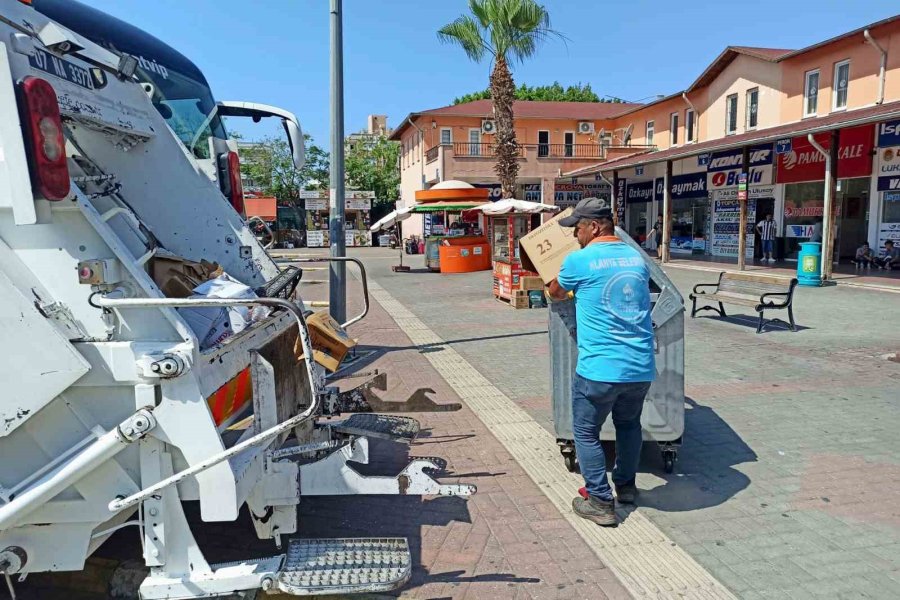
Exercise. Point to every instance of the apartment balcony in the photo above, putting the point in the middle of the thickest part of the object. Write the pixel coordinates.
(471, 160)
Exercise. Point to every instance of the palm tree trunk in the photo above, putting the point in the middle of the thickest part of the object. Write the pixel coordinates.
(503, 91)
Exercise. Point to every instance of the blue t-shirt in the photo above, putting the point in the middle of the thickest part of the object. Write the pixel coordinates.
(612, 301)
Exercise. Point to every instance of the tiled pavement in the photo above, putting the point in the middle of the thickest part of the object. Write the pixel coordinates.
(788, 484)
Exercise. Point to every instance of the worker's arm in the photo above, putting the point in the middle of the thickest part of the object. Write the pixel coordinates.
(556, 291)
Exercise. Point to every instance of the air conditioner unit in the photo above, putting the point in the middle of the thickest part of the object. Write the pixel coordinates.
(606, 138)
(488, 127)
(585, 127)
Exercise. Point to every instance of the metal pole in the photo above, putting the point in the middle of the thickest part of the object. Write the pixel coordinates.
(337, 286)
(830, 157)
(742, 227)
(667, 214)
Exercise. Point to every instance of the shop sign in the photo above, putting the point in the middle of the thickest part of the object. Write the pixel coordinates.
(889, 133)
(727, 160)
(692, 185)
(355, 194)
(889, 170)
(805, 163)
(569, 194)
(726, 223)
(311, 193)
(532, 191)
(316, 239)
(753, 193)
(798, 231)
(358, 204)
(316, 203)
(620, 200)
(889, 231)
(639, 191)
(659, 188)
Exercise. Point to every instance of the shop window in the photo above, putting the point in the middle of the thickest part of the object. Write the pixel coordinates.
(673, 128)
(752, 108)
(811, 94)
(689, 126)
(650, 127)
(731, 114)
(841, 84)
(446, 136)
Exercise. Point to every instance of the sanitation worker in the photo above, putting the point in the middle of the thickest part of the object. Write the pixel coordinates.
(610, 281)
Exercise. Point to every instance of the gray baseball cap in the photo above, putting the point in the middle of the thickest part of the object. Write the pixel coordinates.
(588, 208)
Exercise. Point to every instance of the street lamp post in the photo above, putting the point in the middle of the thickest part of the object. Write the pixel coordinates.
(337, 283)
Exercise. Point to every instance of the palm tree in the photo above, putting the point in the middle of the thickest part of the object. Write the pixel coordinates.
(502, 30)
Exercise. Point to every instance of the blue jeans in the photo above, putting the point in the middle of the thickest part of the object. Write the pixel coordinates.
(592, 401)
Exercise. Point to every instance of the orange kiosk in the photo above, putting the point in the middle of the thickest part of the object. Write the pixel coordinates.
(454, 253)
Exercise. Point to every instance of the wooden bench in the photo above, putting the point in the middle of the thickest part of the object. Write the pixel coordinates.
(762, 292)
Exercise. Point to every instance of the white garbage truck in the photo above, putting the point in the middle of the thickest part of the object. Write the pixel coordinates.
(119, 190)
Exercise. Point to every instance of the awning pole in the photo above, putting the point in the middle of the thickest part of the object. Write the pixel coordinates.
(742, 227)
(827, 210)
(667, 213)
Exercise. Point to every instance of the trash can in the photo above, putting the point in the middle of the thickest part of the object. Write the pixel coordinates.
(809, 268)
(662, 419)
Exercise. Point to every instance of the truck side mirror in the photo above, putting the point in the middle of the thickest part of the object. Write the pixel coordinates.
(258, 112)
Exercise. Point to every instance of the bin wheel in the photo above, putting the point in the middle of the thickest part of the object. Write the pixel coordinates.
(669, 461)
(569, 459)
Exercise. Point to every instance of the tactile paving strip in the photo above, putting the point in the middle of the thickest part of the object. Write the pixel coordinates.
(387, 427)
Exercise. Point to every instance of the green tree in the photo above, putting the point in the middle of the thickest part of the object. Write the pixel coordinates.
(545, 93)
(502, 30)
(371, 163)
(269, 165)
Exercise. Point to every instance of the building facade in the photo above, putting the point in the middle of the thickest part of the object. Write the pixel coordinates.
(457, 143)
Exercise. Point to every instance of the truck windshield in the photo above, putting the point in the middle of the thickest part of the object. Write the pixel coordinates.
(189, 109)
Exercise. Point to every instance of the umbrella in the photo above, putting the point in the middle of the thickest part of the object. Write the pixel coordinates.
(511, 205)
(392, 218)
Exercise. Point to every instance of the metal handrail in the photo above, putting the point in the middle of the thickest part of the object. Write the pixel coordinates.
(362, 272)
(119, 303)
(268, 229)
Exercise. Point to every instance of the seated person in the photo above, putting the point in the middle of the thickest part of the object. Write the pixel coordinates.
(864, 256)
(891, 257)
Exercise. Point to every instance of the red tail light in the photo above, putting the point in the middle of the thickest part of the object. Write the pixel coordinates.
(44, 135)
(230, 179)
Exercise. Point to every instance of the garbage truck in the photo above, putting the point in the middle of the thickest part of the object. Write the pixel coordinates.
(154, 353)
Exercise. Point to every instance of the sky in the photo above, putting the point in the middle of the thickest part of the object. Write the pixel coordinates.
(277, 51)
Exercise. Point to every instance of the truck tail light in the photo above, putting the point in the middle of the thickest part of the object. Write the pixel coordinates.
(45, 140)
(230, 178)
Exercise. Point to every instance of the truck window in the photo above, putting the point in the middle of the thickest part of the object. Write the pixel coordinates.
(189, 109)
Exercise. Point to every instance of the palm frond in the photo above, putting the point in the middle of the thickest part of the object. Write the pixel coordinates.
(465, 32)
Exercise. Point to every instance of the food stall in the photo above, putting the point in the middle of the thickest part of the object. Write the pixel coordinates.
(357, 206)
(508, 221)
(462, 248)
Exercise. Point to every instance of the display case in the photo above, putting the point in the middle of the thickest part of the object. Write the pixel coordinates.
(505, 232)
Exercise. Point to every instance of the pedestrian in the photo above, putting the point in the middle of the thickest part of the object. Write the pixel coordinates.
(657, 233)
(891, 258)
(611, 285)
(816, 232)
(766, 230)
(863, 256)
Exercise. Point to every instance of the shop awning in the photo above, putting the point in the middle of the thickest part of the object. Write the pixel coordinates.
(840, 120)
(447, 205)
(511, 205)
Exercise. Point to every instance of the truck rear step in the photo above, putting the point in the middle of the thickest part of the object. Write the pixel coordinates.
(344, 566)
(403, 429)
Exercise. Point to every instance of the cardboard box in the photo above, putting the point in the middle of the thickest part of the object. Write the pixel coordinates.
(544, 249)
(330, 343)
(519, 299)
(531, 282)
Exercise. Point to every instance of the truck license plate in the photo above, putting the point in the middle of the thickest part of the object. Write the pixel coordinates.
(61, 68)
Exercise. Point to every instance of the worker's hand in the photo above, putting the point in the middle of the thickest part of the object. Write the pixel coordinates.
(556, 291)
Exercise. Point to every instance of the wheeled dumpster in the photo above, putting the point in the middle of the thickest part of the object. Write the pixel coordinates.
(663, 416)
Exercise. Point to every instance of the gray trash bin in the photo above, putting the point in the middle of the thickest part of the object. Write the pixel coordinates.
(663, 416)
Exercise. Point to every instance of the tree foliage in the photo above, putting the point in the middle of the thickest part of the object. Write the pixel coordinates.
(371, 163)
(544, 93)
(269, 166)
(503, 31)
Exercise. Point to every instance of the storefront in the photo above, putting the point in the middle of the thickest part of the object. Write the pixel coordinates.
(639, 196)
(885, 219)
(357, 207)
(802, 171)
(723, 173)
(690, 214)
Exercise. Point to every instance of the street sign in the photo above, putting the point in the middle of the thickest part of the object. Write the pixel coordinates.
(703, 159)
(783, 146)
(639, 170)
(742, 194)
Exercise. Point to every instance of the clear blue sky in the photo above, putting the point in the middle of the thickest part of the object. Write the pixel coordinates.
(276, 52)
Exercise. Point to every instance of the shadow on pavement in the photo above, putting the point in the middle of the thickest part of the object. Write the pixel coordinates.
(750, 322)
(704, 474)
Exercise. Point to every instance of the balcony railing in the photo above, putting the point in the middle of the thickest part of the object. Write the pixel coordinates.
(431, 154)
(552, 151)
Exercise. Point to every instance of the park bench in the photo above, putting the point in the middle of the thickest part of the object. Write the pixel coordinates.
(762, 292)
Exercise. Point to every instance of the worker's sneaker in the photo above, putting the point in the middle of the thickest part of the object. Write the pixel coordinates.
(626, 493)
(601, 512)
